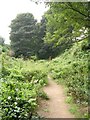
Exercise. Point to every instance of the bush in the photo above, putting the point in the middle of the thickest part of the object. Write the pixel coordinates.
(71, 69)
(37, 76)
(19, 88)
(18, 100)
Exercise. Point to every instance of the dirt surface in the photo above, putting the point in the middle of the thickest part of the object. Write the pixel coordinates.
(55, 107)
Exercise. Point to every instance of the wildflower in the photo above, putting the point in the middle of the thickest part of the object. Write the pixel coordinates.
(9, 97)
(15, 103)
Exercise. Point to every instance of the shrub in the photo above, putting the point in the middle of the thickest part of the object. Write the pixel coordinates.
(18, 100)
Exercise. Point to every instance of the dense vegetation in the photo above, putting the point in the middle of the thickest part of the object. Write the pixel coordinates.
(21, 82)
(62, 34)
(71, 69)
(27, 35)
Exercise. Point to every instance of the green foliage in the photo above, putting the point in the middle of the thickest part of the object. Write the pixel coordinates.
(22, 81)
(23, 34)
(33, 58)
(2, 40)
(71, 69)
(18, 100)
(36, 75)
(20, 86)
(27, 35)
(3, 47)
(67, 22)
(46, 51)
(74, 109)
(43, 95)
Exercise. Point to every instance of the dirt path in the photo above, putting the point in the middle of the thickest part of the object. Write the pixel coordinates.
(56, 106)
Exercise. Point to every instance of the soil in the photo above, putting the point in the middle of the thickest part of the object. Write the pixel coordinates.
(55, 107)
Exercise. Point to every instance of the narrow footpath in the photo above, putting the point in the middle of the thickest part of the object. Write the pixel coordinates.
(55, 107)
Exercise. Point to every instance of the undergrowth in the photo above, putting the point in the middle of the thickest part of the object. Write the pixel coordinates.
(71, 69)
(22, 82)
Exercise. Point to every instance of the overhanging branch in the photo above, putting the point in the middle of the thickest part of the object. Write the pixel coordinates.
(70, 5)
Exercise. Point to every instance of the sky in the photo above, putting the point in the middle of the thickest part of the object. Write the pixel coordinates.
(9, 10)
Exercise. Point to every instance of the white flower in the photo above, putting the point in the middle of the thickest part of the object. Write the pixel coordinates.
(9, 97)
(15, 103)
(17, 98)
(16, 89)
(35, 81)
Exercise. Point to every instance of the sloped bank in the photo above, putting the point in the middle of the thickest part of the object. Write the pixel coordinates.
(71, 69)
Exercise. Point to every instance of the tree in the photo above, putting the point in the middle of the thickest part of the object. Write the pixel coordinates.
(2, 40)
(41, 35)
(23, 35)
(45, 50)
(67, 21)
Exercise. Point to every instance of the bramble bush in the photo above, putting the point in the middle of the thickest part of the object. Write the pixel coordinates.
(71, 69)
(18, 100)
(19, 89)
(21, 81)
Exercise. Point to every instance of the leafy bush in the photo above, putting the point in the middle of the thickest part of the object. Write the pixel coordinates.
(20, 88)
(43, 95)
(71, 69)
(18, 100)
(34, 58)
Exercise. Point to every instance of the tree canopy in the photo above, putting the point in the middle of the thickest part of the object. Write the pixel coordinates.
(62, 25)
(67, 21)
(23, 34)
(2, 40)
